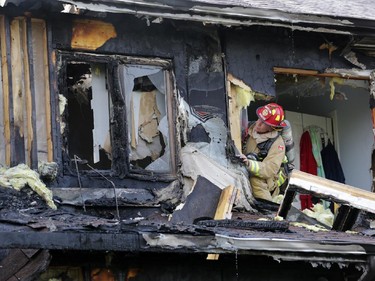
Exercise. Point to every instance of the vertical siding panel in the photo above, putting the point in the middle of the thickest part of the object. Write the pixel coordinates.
(31, 61)
(48, 96)
(5, 138)
(18, 95)
(42, 90)
(28, 121)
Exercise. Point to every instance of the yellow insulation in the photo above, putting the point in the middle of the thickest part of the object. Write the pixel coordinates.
(321, 214)
(332, 85)
(243, 96)
(21, 175)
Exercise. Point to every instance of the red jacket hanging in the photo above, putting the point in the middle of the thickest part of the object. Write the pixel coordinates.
(307, 164)
(307, 160)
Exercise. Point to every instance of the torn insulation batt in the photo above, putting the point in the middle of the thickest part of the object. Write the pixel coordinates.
(21, 175)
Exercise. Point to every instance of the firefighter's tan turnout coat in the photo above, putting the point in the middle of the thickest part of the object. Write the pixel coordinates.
(265, 175)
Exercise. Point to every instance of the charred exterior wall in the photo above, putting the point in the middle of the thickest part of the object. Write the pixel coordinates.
(200, 56)
(194, 49)
(252, 53)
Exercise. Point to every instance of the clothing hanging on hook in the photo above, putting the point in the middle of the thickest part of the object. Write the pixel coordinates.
(317, 146)
(331, 163)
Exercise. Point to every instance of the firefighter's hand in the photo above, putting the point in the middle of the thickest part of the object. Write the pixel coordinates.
(244, 159)
(252, 156)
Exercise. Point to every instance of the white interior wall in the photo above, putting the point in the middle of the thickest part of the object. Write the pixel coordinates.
(353, 129)
(300, 123)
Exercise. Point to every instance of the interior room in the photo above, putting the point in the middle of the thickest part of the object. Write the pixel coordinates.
(340, 108)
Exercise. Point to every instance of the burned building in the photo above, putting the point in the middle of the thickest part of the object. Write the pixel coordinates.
(126, 108)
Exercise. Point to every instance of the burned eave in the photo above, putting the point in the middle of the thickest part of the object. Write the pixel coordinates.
(230, 14)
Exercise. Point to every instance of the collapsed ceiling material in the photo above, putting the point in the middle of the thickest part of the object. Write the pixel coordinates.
(304, 86)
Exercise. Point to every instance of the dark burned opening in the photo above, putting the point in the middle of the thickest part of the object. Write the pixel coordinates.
(82, 142)
(118, 117)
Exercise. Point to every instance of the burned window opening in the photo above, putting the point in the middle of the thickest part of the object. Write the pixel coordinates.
(81, 138)
(148, 129)
(118, 116)
(147, 113)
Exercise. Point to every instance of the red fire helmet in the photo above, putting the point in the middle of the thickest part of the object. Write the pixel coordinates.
(272, 114)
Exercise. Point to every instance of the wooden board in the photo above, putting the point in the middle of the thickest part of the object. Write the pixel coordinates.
(5, 84)
(23, 264)
(326, 189)
(91, 34)
(224, 209)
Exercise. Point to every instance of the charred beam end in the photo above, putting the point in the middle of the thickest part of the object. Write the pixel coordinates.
(345, 218)
(247, 224)
(71, 241)
(285, 206)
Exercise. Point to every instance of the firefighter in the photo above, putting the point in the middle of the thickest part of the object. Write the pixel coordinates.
(264, 152)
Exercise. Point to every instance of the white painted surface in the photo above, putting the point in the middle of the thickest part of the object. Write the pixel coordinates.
(301, 122)
(100, 106)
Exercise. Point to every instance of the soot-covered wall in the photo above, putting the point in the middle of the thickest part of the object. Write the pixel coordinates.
(251, 53)
(193, 48)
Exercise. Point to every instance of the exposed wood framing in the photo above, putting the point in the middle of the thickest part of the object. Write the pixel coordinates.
(33, 128)
(171, 112)
(18, 95)
(5, 85)
(234, 113)
(46, 89)
(346, 195)
(305, 72)
(91, 34)
(41, 87)
(28, 96)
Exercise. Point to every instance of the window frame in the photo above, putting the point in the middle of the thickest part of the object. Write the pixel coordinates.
(119, 128)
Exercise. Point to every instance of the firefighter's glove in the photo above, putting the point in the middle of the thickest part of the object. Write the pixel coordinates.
(252, 156)
(253, 167)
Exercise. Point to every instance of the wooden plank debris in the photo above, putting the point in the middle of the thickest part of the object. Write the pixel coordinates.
(307, 72)
(351, 198)
(224, 209)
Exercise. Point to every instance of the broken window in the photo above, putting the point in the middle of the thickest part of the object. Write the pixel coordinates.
(118, 116)
(148, 130)
(88, 115)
